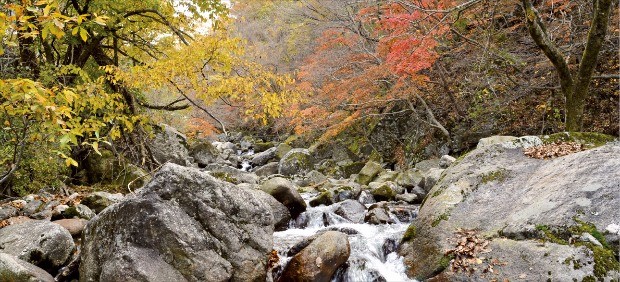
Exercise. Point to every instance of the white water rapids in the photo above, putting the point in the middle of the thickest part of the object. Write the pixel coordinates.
(373, 247)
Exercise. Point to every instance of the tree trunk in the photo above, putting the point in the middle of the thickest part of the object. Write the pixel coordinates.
(574, 87)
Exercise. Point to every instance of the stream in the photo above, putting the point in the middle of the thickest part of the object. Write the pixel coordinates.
(373, 256)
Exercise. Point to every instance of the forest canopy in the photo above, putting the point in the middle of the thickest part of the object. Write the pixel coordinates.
(411, 78)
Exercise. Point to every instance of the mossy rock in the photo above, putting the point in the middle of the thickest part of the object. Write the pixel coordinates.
(351, 168)
(588, 139)
(325, 198)
(383, 193)
(262, 146)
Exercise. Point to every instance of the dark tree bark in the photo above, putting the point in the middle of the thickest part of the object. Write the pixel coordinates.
(573, 86)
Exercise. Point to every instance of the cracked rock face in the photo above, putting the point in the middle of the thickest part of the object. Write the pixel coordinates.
(516, 202)
(183, 226)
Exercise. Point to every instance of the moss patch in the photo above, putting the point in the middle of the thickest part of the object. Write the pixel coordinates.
(410, 233)
(443, 216)
(604, 257)
(225, 177)
(498, 175)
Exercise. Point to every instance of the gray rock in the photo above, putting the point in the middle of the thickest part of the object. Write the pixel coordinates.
(268, 169)
(315, 177)
(351, 210)
(264, 157)
(281, 215)
(97, 201)
(368, 173)
(378, 213)
(231, 174)
(79, 211)
(445, 161)
(58, 211)
(41, 243)
(426, 165)
(183, 226)
(286, 193)
(32, 207)
(498, 190)
(494, 140)
(325, 198)
(296, 161)
(203, 152)
(14, 269)
(409, 198)
(169, 145)
(7, 212)
(410, 178)
(320, 259)
(431, 177)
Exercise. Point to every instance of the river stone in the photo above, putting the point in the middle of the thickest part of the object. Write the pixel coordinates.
(410, 178)
(14, 269)
(446, 160)
(169, 145)
(498, 190)
(263, 157)
(32, 207)
(383, 191)
(203, 152)
(351, 210)
(185, 225)
(378, 213)
(79, 211)
(324, 198)
(97, 201)
(370, 170)
(319, 260)
(494, 140)
(296, 161)
(73, 225)
(39, 242)
(286, 193)
(268, 169)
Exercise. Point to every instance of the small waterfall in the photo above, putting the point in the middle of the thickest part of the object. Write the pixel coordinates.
(373, 247)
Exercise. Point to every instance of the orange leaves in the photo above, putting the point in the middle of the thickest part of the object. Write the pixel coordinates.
(553, 150)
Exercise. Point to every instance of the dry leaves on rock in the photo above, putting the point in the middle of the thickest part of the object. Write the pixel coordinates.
(553, 150)
(273, 259)
(469, 245)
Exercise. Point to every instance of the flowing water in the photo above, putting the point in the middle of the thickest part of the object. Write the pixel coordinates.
(373, 247)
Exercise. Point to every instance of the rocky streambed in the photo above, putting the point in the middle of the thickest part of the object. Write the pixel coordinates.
(249, 211)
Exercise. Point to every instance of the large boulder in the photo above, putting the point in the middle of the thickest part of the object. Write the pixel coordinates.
(38, 242)
(184, 225)
(296, 161)
(112, 169)
(545, 209)
(14, 269)
(169, 145)
(319, 260)
(286, 193)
